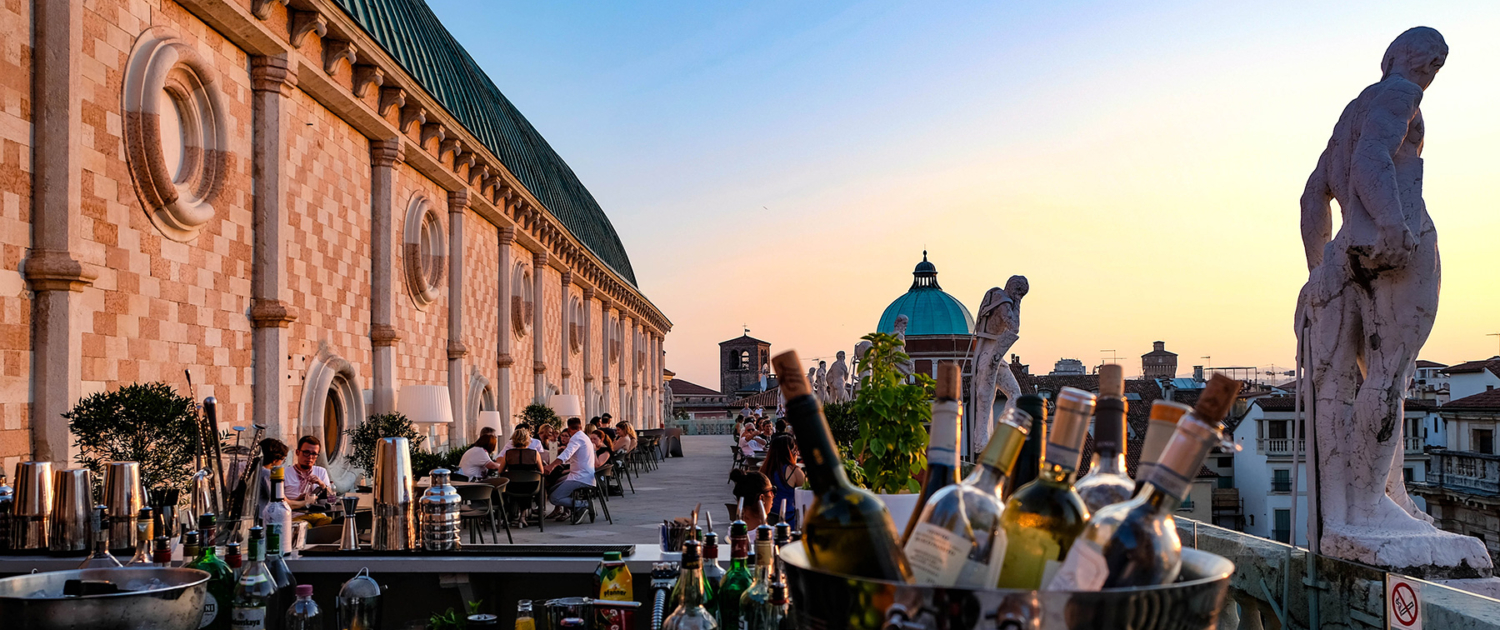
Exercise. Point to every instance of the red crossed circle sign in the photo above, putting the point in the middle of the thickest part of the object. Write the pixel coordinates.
(1404, 604)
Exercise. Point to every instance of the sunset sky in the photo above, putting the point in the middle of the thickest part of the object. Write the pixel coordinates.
(782, 165)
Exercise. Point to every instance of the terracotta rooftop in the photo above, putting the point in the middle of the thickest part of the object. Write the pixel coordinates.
(685, 388)
(1483, 400)
(1469, 367)
(765, 399)
(1429, 364)
(1287, 404)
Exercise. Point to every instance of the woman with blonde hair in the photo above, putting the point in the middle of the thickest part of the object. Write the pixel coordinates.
(627, 438)
(523, 452)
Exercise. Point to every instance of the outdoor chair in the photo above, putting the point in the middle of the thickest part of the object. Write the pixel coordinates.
(608, 477)
(589, 493)
(623, 459)
(478, 506)
(499, 484)
(524, 492)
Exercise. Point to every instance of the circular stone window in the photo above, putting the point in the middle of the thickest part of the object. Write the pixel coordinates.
(175, 133)
(425, 250)
(521, 300)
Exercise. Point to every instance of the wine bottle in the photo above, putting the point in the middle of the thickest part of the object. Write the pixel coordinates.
(958, 541)
(690, 615)
(286, 583)
(781, 607)
(1029, 462)
(1135, 543)
(713, 574)
(255, 589)
(142, 540)
(736, 579)
(1043, 517)
(276, 511)
(847, 530)
(1164, 416)
(1107, 481)
(942, 440)
(217, 601)
(755, 603)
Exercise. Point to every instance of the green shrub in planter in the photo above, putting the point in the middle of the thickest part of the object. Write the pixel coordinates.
(147, 423)
(892, 414)
(537, 414)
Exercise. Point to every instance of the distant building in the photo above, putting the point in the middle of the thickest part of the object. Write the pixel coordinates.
(1472, 377)
(1462, 485)
(698, 402)
(1429, 383)
(744, 366)
(1068, 367)
(1159, 363)
(939, 327)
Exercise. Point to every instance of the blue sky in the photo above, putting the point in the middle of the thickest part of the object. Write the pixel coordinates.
(782, 164)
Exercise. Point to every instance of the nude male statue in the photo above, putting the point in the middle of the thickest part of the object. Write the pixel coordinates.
(820, 382)
(838, 380)
(1366, 310)
(908, 367)
(995, 330)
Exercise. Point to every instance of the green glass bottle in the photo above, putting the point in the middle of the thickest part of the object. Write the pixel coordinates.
(220, 577)
(755, 603)
(848, 530)
(1043, 517)
(1030, 459)
(713, 574)
(737, 579)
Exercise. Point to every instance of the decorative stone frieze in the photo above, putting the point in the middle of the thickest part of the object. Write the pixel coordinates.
(430, 131)
(175, 133)
(457, 349)
(261, 9)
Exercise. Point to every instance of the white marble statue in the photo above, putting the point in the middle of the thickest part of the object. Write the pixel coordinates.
(1366, 310)
(765, 374)
(859, 365)
(667, 404)
(820, 382)
(995, 331)
(907, 367)
(838, 380)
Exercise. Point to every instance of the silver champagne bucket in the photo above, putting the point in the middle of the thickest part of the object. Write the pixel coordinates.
(31, 514)
(124, 497)
(395, 521)
(165, 599)
(440, 519)
(72, 511)
(828, 600)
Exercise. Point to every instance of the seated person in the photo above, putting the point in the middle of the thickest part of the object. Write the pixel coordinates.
(603, 449)
(307, 484)
(578, 456)
(749, 445)
(523, 452)
(627, 440)
(607, 427)
(754, 489)
(272, 454)
(476, 462)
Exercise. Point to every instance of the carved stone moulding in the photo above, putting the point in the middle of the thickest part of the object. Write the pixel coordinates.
(176, 134)
(424, 249)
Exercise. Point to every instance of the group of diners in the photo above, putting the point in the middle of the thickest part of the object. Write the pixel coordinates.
(771, 472)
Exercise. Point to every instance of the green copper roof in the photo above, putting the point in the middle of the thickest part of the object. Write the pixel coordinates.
(415, 38)
(928, 309)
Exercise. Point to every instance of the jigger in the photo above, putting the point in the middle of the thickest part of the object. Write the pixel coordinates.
(31, 514)
(350, 539)
(72, 509)
(124, 498)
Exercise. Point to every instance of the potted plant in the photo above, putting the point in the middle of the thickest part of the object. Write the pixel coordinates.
(362, 440)
(146, 423)
(891, 412)
(537, 414)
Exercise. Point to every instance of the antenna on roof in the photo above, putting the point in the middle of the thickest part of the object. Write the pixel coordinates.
(1497, 335)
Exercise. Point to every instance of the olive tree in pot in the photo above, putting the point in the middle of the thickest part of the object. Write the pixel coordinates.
(362, 440)
(537, 414)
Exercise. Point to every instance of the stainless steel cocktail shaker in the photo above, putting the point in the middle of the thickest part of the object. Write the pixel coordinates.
(31, 514)
(72, 509)
(439, 513)
(395, 519)
(124, 498)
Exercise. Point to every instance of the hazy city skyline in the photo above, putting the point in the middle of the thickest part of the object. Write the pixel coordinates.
(783, 165)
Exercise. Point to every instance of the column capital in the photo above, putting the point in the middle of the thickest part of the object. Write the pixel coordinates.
(507, 234)
(540, 259)
(505, 360)
(383, 335)
(270, 314)
(53, 270)
(457, 349)
(272, 74)
(458, 201)
(567, 278)
(588, 293)
(539, 367)
(388, 152)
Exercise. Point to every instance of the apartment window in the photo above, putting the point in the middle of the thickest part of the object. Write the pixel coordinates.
(1281, 480)
(1484, 441)
(1407, 474)
(1226, 461)
(1283, 530)
(1276, 430)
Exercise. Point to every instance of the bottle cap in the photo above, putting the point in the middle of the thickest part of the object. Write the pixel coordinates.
(1070, 428)
(611, 556)
(304, 590)
(949, 381)
(144, 514)
(1168, 411)
(190, 537)
(206, 521)
(1111, 380)
(764, 533)
(278, 473)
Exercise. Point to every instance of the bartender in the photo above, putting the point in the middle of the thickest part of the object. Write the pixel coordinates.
(307, 484)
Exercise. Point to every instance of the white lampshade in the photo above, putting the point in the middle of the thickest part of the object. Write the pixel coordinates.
(493, 420)
(426, 404)
(566, 406)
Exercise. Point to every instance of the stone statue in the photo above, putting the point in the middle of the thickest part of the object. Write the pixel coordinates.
(838, 380)
(1368, 305)
(907, 367)
(667, 404)
(765, 374)
(995, 331)
(820, 385)
(859, 363)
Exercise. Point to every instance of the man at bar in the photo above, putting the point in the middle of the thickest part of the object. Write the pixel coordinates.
(579, 458)
(306, 482)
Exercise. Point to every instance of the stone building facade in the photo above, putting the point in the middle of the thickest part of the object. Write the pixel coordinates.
(305, 204)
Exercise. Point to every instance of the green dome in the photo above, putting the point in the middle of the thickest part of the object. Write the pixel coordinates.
(928, 309)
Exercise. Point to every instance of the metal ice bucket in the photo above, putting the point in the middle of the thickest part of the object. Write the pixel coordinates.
(31, 514)
(36, 601)
(832, 601)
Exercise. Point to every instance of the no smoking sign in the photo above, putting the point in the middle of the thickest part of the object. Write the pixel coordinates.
(1403, 603)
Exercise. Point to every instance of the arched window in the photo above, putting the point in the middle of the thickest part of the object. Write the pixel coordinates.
(332, 402)
(744, 363)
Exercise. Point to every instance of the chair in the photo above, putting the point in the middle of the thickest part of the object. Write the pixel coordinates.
(624, 467)
(608, 478)
(477, 507)
(499, 484)
(324, 535)
(525, 489)
(589, 493)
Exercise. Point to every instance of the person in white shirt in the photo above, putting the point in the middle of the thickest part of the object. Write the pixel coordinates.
(306, 482)
(750, 446)
(579, 457)
(476, 461)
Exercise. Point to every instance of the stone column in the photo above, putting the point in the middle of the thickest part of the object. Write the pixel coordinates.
(539, 327)
(504, 359)
(622, 385)
(384, 156)
(56, 277)
(271, 83)
(604, 378)
(567, 325)
(589, 405)
(458, 206)
(637, 396)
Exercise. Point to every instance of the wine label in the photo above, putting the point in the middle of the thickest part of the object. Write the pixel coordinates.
(1084, 569)
(210, 610)
(936, 555)
(253, 618)
(982, 568)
